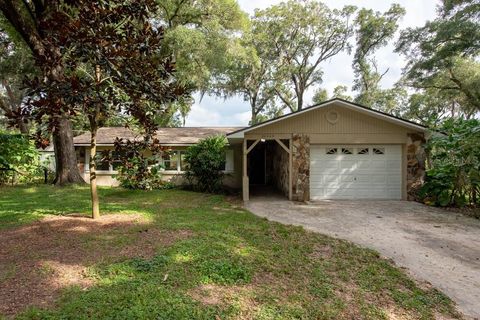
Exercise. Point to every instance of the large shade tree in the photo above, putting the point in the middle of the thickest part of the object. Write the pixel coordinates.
(16, 62)
(443, 56)
(249, 74)
(24, 19)
(198, 34)
(112, 62)
(302, 35)
(373, 30)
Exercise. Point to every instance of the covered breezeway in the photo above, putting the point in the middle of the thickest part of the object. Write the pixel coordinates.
(267, 167)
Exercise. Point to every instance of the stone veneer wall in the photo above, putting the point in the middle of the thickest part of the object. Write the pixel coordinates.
(416, 158)
(279, 175)
(301, 167)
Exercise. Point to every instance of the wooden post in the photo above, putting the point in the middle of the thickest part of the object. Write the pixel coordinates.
(245, 181)
(290, 169)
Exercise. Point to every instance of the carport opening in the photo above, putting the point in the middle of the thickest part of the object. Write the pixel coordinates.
(267, 167)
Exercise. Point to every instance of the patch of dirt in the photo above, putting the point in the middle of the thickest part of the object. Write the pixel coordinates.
(321, 252)
(211, 294)
(39, 260)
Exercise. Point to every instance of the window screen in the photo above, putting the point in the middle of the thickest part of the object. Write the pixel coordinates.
(101, 162)
(170, 160)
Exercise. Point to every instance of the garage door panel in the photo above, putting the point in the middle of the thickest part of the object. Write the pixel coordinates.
(378, 164)
(378, 178)
(339, 193)
(330, 164)
(363, 178)
(347, 178)
(393, 179)
(362, 164)
(348, 164)
(363, 174)
(394, 165)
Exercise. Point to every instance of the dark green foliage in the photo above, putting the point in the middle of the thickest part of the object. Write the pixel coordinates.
(454, 175)
(139, 168)
(18, 158)
(137, 174)
(442, 55)
(206, 162)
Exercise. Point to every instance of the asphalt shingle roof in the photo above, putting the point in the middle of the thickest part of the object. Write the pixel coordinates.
(172, 136)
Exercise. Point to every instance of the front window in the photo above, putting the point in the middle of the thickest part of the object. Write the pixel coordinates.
(101, 161)
(183, 161)
(170, 160)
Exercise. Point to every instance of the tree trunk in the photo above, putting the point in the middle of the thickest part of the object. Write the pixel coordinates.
(93, 174)
(23, 127)
(65, 158)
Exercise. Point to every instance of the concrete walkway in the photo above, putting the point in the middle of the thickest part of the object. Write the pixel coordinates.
(439, 247)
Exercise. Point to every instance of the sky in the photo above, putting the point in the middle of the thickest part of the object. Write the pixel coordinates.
(211, 111)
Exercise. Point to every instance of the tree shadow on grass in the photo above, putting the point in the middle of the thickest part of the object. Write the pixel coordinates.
(41, 259)
(182, 246)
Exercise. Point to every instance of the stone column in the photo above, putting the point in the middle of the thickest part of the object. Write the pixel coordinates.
(301, 167)
(416, 158)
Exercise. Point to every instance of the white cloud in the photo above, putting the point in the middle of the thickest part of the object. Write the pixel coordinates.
(337, 71)
(200, 116)
(212, 111)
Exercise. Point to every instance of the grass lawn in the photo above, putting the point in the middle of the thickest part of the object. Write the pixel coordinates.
(181, 255)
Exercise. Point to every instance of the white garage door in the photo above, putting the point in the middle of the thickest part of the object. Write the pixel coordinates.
(355, 172)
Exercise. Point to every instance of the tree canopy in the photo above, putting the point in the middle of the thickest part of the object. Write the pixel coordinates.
(443, 55)
(373, 30)
(301, 36)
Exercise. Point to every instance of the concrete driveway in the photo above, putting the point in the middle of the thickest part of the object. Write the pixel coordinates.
(439, 247)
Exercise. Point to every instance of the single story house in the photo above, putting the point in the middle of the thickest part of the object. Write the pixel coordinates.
(333, 150)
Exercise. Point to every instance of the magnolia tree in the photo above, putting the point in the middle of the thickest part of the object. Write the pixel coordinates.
(112, 62)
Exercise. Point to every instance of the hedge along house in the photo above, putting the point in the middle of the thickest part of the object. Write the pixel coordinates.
(334, 150)
(176, 139)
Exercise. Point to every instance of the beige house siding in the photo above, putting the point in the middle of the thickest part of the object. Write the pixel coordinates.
(351, 126)
(337, 124)
(106, 178)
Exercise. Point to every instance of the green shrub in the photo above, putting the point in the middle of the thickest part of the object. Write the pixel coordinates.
(206, 162)
(453, 177)
(19, 159)
(139, 167)
(137, 174)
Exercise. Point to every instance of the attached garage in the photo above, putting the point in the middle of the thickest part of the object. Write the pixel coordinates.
(355, 172)
(337, 150)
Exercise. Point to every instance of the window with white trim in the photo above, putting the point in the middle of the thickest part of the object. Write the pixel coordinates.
(183, 161)
(106, 163)
(102, 164)
(175, 161)
(378, 150)
(171, 160)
